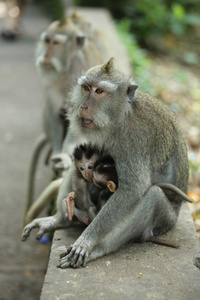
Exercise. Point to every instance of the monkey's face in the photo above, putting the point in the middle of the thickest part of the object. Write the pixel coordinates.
(51, 51)
(100, 104)
(85, 166)
(94, 109)
(101, 180)
(102, 98)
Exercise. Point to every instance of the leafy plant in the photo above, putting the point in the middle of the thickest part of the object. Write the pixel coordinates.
(138, 58)
(53, 8)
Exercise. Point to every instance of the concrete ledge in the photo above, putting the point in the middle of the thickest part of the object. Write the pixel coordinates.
(136, 271)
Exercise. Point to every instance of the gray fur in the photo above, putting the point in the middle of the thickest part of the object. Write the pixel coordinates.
(147, 145)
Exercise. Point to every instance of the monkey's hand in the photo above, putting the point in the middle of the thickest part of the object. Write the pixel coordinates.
(76, 256)
(70, 205)
(61, 161)
(46, 224)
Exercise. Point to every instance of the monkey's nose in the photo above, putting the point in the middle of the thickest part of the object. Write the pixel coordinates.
(84, 107)
(47, 58)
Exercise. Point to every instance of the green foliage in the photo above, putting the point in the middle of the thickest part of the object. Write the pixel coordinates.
(138, 58)
(194, 166)
(155, 17)
(53, 8)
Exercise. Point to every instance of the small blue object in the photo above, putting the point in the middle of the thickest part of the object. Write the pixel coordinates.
(45, 239)
(175, 107)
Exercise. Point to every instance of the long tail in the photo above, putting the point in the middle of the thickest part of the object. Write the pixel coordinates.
(38, 146)
(45, 197)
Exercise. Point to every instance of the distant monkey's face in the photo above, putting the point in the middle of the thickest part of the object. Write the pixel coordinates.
(58, 45)
(52, 49)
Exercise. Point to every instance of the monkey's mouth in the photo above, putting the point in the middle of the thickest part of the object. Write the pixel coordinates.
(86, 122)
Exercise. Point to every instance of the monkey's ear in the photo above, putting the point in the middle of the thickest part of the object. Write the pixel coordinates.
(80, 40)
(112, 186)
(74, 16)
(131, 91)
(108, 66)
(63, 22)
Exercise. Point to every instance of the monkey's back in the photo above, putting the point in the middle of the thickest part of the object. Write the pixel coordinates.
(162, 136)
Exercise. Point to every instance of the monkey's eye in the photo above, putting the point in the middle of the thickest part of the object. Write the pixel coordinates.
(99, 91)
(82, 168)
(55, 42)
(47, 40)
(90, 167)
(86, 88)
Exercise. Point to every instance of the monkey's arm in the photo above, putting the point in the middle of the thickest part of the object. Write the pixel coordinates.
(82, 216)
(60, 219)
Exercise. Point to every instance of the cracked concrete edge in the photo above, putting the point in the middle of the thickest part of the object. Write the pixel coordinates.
(135, 271)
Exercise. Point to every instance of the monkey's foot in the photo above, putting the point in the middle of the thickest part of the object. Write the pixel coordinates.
(75, 256)
(70, 205)
(46, 224)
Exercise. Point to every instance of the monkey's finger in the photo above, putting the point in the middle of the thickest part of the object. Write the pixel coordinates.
(85, 259)
(66, 252)
(69, 254)
(80, 260)
(63, 265)
(76, 256)
(25, 234)
(40, 233)
(27, 230)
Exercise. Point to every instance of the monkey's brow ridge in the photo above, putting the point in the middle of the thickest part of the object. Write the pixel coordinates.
(84, 80)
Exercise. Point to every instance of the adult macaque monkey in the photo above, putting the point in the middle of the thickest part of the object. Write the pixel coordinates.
(63, 52)
(144, 139)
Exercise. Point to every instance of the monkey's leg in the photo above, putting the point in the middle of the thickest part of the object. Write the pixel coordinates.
(44, 225)
(39, 144)
(82, 216)
(92, 212)
(142, 218)
(70, 205)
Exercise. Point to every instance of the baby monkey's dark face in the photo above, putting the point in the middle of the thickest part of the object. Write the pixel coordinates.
(102, 181)
(85, 166)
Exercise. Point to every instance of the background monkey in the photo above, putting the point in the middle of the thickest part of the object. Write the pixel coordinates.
(63, 52)
(145, 141)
